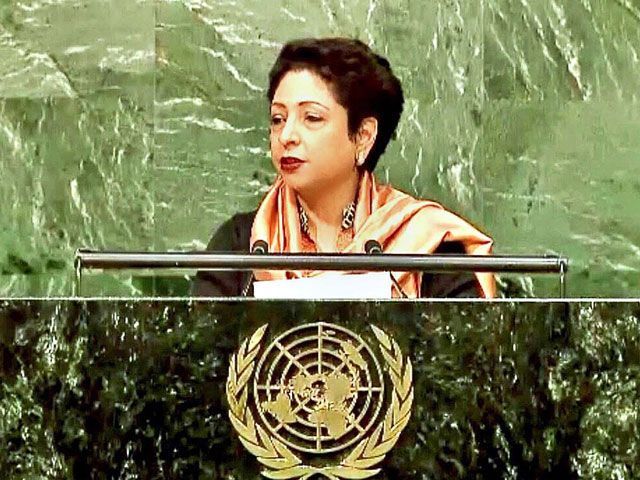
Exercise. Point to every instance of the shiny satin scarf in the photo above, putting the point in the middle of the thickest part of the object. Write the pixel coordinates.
(399, 222)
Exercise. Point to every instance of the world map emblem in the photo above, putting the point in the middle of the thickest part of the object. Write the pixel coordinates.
(317, 401)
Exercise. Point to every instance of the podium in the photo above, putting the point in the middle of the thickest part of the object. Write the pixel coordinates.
(140, 389)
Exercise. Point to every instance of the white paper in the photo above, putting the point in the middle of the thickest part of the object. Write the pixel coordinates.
(329, 285)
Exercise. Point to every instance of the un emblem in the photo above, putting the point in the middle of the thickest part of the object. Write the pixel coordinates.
(314, 402)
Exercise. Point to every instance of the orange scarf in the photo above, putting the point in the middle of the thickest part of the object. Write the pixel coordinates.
(399, 222)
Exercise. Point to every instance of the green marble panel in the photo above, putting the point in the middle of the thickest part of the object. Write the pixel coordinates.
(536, 156)
(76, 173)
(80, 47)
(520, 115)
(561, 50)
(115, 389)
(76, 169)
(210, 126)
(435, 151)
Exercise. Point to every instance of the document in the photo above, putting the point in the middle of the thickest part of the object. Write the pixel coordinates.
(373, 285)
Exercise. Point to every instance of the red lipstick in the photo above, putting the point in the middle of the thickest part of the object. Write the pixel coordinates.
(290, 164)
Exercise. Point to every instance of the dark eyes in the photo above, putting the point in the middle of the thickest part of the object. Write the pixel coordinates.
(309, 117)
(313, 118)
(277, 120)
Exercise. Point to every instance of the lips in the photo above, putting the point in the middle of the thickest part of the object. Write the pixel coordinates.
(290, 164)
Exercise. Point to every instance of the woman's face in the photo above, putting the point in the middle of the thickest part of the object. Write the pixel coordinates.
(310, 145)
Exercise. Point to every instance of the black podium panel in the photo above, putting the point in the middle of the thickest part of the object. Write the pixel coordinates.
(122, 389)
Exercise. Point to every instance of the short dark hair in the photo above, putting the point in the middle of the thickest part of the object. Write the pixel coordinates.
(361, 81)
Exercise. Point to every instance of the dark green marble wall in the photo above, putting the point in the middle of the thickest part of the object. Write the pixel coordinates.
(142, 124)
(105, 389)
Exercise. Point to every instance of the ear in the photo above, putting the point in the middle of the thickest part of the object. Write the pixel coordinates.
(367, 134)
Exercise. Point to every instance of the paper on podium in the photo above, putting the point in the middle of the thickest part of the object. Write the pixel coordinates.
(330, 285)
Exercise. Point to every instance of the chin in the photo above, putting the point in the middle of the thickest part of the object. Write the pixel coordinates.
(299, 183)
(293, 181)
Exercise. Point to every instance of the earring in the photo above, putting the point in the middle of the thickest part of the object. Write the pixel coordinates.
(360, 158)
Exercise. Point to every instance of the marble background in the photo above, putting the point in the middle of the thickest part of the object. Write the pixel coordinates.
(142, 124)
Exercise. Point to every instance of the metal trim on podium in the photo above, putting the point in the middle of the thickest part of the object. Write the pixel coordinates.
(440, 263)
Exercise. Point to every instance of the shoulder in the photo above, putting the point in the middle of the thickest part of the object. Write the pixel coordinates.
(233, 234)
(449, 285)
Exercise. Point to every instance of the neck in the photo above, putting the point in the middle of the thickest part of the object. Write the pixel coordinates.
(325, 208)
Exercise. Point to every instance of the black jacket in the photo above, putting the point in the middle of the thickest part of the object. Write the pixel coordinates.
(234, 236)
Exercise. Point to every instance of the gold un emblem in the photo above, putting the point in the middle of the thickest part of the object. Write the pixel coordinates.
(314, 402)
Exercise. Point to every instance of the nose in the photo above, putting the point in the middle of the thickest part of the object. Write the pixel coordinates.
(289, 133)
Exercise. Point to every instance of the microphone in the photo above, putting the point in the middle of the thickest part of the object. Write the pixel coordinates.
(373, 247)
(259, 247)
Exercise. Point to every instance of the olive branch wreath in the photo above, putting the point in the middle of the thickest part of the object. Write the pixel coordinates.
(281, 462)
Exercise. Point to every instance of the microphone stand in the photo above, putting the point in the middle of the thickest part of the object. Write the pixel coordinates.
(373, 247)
(259, 247)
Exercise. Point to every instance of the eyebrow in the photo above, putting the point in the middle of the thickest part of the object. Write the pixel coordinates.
(302, 103)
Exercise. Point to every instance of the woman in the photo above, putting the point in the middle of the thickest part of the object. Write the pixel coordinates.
(334, 107)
